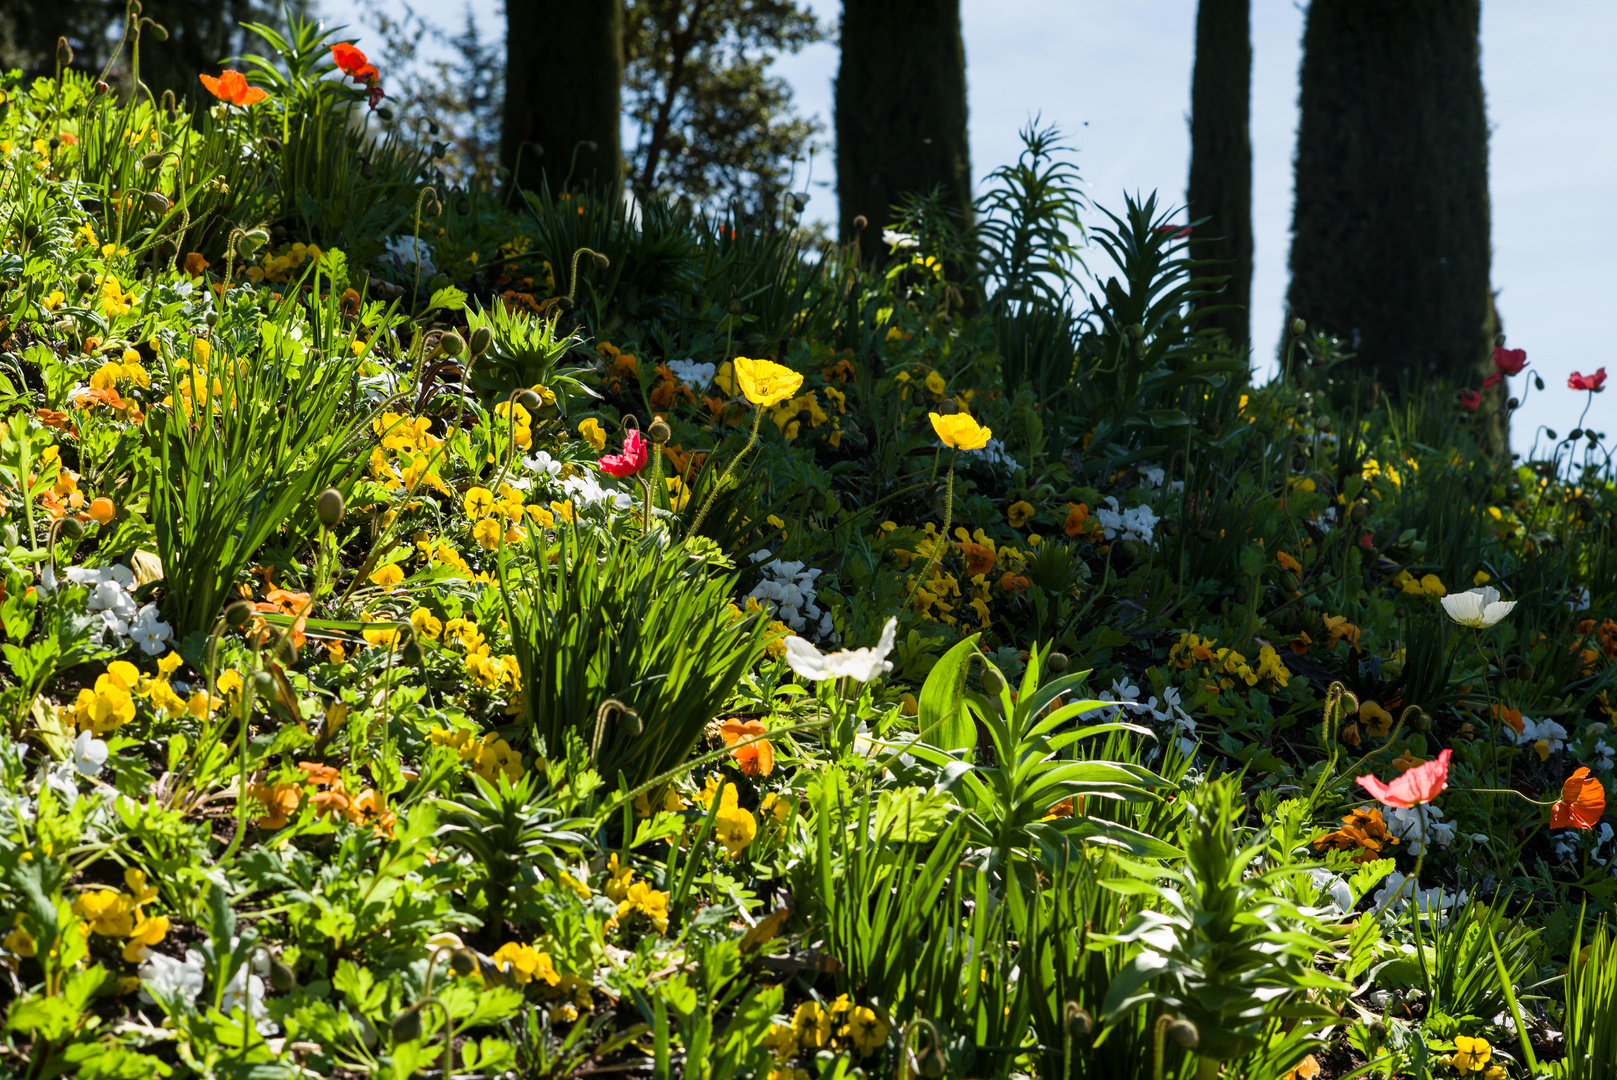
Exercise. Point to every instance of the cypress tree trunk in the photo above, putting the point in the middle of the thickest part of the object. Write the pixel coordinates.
(1390, 235)
(1221, 155)
(900, 111)
(563, 92)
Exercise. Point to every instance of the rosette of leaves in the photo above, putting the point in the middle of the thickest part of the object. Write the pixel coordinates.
(1222, 946)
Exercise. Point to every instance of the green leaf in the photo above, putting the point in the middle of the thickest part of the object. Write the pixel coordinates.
(942, 703)
(449, 298)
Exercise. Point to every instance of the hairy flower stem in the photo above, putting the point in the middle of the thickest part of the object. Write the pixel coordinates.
(752, 438)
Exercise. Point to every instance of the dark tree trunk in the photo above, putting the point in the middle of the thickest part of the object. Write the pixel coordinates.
(563, 92)
(1390, 235)
(1221, 155)
(900, 111)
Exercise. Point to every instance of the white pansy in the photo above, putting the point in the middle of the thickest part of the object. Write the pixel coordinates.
(89, 754)
(1477, 608)
(1406, 825)
(692, 374)
(171, 977)
(1434, 901)
(1135, 523)
(1552, 734)
(787, 589)
(860, 664)
(410, 253)
(1341, 897)
(150, 632)
(990, 453)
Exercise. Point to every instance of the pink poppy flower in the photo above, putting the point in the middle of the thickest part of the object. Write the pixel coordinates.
(1592, 383)
(1419, 785)
(631, 461)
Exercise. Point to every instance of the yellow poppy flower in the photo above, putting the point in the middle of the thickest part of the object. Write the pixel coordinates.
(959, 431)
(764, 382)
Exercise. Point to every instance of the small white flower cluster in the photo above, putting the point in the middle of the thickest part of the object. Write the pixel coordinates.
(694, 375)
(111, 589)
(408, 251)
(993, 453)
(1434, 901)
(1153, 475)
(1567, 844)
(789, 587)
(1406, 825)
(187, 978)
(1546, 731)
(1169, 711)
(1135, 523)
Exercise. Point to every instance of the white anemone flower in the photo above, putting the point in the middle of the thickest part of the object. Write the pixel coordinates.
(861, 664)
(1477, 608)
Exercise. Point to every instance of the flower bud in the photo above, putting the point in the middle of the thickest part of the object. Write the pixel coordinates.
(565, 303)
(601, 261)
(1421, 722)
(463, 206)
(947, 407)
(84, 281)
(529, 400)
(55, 143)
(482, 338)
(156, 202)
(733, 307)
(72, 528)
(252, 240)
(30, 232)
(211, 318)
(386, 114)
(413, 655)
(1538, 383)
(463, 962)
(993, 681)
(1129, 550)
(1289, 582)
(238, 613)
(860, 222)
(1057, 662)
(329, 506)
(631, 723)
(1299, 327)
(1184, 1034)
(264, 683)
(101, 87)
(64, 52)
(282, 977)
(153, 159)
(1135, 331)
(1551, 433)
(406, 1026)
(1358, 513)
(158, 31)
(452, 344)
(1513, 403)
(1576, 434)
(658, 432)
(1079, 1023)
(931, 1063)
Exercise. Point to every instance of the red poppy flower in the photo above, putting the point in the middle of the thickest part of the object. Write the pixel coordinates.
(631, 461)
(1175, 232)
(1469, 400)
(354, 64)
(1509, 361)
(231, 86)
(1583, 801)
(1492, 380)
(1592, 383)
(1419, 785)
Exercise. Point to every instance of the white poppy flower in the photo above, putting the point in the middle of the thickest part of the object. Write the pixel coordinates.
(861, 664)
(899, 241)
(89, 754)
(1477, 608)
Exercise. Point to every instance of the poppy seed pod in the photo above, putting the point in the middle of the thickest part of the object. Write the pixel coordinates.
(463, 962)
(406, 1026)
(71, 528)
(1184, 1034)
(658, 432)
(156, 202)
(530, 400)
(1299, 327)
(237, 614)
(452, 344)
(282, 977)
(1057, 662)
(482, 338)
(329, 506)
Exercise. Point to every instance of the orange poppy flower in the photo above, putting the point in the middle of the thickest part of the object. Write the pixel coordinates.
(1583, 801)
(231, 87)
(754, 759)
(354, 64)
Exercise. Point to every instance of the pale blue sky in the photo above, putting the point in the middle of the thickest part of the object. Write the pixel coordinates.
(1116, 78)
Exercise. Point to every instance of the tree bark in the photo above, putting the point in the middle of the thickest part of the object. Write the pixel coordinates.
(900, 112)
(1220, 189)
(563, 93)
(1390, 234)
